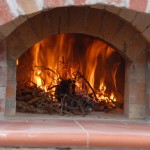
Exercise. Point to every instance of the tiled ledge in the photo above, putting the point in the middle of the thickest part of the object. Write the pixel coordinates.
(74, 134)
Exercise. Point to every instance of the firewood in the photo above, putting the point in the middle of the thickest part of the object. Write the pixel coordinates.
(64, 99)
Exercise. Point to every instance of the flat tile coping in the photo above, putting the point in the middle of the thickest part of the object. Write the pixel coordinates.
(74, 134)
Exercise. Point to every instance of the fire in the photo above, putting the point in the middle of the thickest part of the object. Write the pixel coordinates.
(17, 62)
(62, 56)
(37, 79)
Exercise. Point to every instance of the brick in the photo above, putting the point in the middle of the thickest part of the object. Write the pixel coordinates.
(11, 62)
(127, 71)
(7, 29)
(142, 21)
(30, 6)
(49, 27)
(127, 14)
(10, 108)
(2, 53)
(54, 3)
(110, 26)
(1, 115)
(19, 20)
(148, 99)
(2, 92)
(135, 73)
(3, 76)
(20, 40)
(94, 21)
(146, 34)
(138, 5)
(25, 33)
(148, 78)
(126, 108)
(137, 93)
(11, 90)
(126, 99)
(77, 19)
(137, 49)
(79, 2)
(112, 9)
(33, 14)
(59, 17)
(97, 6)
(148, 102)
(136, 111)
(123, 37)
(2, 105)
(5, 13)
(11, 73)
(58, 20)
(15, 46)
(148, 105)
(148, 58)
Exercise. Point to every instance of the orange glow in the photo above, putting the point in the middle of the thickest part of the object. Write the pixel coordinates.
(17, 62)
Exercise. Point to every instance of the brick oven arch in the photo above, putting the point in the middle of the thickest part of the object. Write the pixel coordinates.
(107, 26)
(95, 22)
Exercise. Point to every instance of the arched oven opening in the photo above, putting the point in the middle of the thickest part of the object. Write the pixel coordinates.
(70, 74)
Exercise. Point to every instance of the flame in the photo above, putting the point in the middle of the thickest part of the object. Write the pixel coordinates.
(17, 62)
(38, 80)
(45, 89)
(92, 56)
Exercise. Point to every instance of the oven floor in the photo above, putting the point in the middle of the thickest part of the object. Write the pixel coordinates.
(91, 116)
(65, 132)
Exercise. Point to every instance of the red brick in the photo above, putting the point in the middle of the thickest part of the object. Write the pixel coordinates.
(54, 3)
(117, 2)
(79, 2)
(139, 5)
(5, 13)
(28, 7)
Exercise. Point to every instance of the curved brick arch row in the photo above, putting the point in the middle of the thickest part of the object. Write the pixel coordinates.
(98, 23)
(11, 9)
(91, 21)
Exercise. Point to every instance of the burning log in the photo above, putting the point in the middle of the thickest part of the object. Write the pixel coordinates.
(65, 87)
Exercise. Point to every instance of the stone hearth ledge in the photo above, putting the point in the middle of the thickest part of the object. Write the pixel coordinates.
(74, 134)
